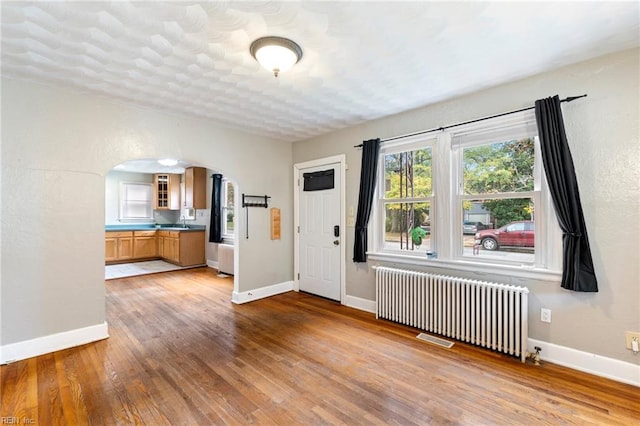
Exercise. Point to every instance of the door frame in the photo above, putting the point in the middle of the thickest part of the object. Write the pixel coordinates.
(341, 159)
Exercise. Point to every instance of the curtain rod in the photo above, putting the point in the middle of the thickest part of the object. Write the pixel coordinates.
(567, 99)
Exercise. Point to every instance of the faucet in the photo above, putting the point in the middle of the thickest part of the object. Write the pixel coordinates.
(184, 221)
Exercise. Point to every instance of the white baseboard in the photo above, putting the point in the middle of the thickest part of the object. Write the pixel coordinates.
(598, 365)
(610, 368)
(53, 342)
(212, 264)
(261, 293)
(359, 303)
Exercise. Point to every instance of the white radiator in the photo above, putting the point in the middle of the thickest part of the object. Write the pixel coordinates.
(225, 259)
(486, 314)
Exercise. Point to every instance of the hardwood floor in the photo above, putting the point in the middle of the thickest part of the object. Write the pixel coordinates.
(180, 353)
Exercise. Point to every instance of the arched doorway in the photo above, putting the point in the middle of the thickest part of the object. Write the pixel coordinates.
(158, 218)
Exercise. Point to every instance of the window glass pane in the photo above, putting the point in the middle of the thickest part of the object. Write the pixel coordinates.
(499, 167)
(134, 192)
(229, 224)
(408, 174)
(230, 195)
(136, 201)
(136, 210)
(499, 229)
(229, 221)
(407, 227)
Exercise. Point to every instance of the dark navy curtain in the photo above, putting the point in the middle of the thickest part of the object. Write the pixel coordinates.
(215, 226)
(577, 273)
(368, 173)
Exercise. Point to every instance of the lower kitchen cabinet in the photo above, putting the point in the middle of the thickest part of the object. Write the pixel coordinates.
(118, 246)
(169, 245)
(144, 244)
(191, 248)
(184, 248)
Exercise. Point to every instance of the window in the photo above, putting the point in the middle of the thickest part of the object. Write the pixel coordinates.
(228, 199)
(136, 201)
(407, 200)
(472, 197)
(498, 179)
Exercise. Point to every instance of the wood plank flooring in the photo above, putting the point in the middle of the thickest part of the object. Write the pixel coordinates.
(180, 353)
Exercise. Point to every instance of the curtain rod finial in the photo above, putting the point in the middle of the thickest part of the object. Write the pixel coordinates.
(573, 98)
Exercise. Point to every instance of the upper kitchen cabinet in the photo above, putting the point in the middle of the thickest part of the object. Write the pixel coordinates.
(167, 191)
(195, 184)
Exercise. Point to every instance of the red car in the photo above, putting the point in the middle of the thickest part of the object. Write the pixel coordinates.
(514, 234)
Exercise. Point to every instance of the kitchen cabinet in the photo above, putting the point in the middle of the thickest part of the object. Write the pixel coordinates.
(145, 244)
(167, 191)
(195, 184)
(185, 248)
(169, 245)
(118, 246)
(192, 247)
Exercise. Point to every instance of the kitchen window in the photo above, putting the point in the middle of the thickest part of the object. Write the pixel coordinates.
(136, 201)
(471, 197)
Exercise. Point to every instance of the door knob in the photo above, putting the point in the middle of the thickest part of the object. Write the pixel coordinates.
(336, 242)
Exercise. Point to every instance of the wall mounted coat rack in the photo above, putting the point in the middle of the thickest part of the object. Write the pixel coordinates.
(253, 201)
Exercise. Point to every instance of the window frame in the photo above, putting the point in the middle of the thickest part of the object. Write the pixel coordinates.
(123, 202)
(403, 145)
(445, 209)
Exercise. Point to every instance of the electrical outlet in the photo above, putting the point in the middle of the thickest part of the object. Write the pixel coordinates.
(545, 315)
(629, 336)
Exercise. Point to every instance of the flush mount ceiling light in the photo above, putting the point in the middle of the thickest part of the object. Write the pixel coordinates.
(169, 162)
(277, 54)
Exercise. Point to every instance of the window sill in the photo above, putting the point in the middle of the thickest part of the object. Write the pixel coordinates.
(510, 271)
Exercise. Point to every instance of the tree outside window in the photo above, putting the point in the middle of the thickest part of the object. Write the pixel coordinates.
(500, 177)
(407, 199)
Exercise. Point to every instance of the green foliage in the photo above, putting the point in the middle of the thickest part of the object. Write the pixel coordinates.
(509, 210)
(408, 174)
(499, 167)
(487, 169)
(417, 234)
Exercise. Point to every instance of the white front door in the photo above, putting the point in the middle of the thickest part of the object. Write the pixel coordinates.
(320, 235)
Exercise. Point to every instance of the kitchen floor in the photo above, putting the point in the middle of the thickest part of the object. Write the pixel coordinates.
(138, 268)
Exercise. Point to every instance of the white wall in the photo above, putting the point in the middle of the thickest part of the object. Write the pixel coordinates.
(603, 133)
(57, 147)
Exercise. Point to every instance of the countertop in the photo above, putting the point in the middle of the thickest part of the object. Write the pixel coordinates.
(152, 226)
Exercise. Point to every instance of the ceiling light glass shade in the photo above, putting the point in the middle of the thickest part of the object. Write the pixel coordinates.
(277, 54)
(169, 162)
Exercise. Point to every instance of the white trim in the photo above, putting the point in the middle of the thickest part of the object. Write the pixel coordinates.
(598, 365)
(261, 293)
(343, 219)
(212, 264)
(446, 214)
(53, 342)
(484, 268)
(360, 303)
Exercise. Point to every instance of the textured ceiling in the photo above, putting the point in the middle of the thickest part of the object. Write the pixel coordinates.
(362, 60)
